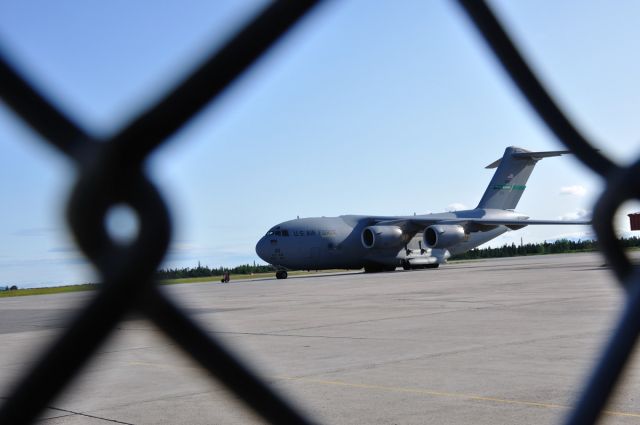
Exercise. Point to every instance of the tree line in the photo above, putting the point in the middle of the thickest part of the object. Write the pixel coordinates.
(557, 247)
(205, 271)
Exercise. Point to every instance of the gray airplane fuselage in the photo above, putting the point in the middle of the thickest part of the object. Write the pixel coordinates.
(336, 242)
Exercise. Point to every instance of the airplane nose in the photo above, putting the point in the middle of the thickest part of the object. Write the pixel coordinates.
(261, 249)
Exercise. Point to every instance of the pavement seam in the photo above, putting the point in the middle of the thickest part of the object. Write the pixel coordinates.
(72, 413)
(86, 415)
(433, 313)
(354, 338)
(436, 355)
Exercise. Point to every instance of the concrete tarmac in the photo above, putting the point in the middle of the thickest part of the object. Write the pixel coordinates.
(504, 341)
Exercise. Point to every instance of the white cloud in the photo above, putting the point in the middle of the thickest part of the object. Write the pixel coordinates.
(456, 206)
(579, 214)
(575, 190)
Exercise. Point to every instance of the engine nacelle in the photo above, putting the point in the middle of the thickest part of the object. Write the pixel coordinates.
(443, 235)
(382, 237)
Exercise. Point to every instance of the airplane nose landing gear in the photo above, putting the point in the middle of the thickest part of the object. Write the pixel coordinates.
(281, 274)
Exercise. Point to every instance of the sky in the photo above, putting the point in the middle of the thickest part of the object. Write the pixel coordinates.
(366, 107)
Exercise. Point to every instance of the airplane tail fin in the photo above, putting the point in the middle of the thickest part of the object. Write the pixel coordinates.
(510, 179)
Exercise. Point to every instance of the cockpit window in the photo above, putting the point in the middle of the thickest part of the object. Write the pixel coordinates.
(271, 233)
(278, 233)
(285, 233)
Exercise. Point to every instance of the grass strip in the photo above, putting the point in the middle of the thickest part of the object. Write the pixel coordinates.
(93, 286)
(49, 290)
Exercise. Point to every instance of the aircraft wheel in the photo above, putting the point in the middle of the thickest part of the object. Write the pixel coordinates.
(281, 274)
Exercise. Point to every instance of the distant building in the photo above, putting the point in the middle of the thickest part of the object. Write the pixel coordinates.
(634, 221)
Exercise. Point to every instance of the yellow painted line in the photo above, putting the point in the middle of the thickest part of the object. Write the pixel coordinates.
(449, 395)
(404, 390)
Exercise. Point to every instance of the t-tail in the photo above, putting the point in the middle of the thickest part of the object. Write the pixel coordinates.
(510, 179)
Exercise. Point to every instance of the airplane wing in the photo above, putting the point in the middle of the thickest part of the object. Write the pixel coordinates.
(512, 222)
(416, 224)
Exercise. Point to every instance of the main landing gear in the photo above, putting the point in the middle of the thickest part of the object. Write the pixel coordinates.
(281, 274)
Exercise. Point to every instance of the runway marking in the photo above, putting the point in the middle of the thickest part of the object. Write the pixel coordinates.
(407, 390)
(449, 395)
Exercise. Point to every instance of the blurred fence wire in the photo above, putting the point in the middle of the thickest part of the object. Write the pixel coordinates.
(111, 174)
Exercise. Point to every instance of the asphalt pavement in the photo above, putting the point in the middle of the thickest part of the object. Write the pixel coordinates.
(503, 341)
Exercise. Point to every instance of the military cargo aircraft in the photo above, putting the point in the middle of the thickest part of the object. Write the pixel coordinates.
(383, 243)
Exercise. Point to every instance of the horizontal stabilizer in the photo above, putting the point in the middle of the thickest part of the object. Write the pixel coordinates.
(529, 155)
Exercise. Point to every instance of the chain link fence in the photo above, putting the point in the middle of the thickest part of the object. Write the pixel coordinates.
(111, 174)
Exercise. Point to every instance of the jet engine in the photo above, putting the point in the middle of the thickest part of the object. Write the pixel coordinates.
(382, 237)
(443, 236)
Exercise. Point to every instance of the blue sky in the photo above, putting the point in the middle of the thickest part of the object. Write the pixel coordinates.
(365, 108)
